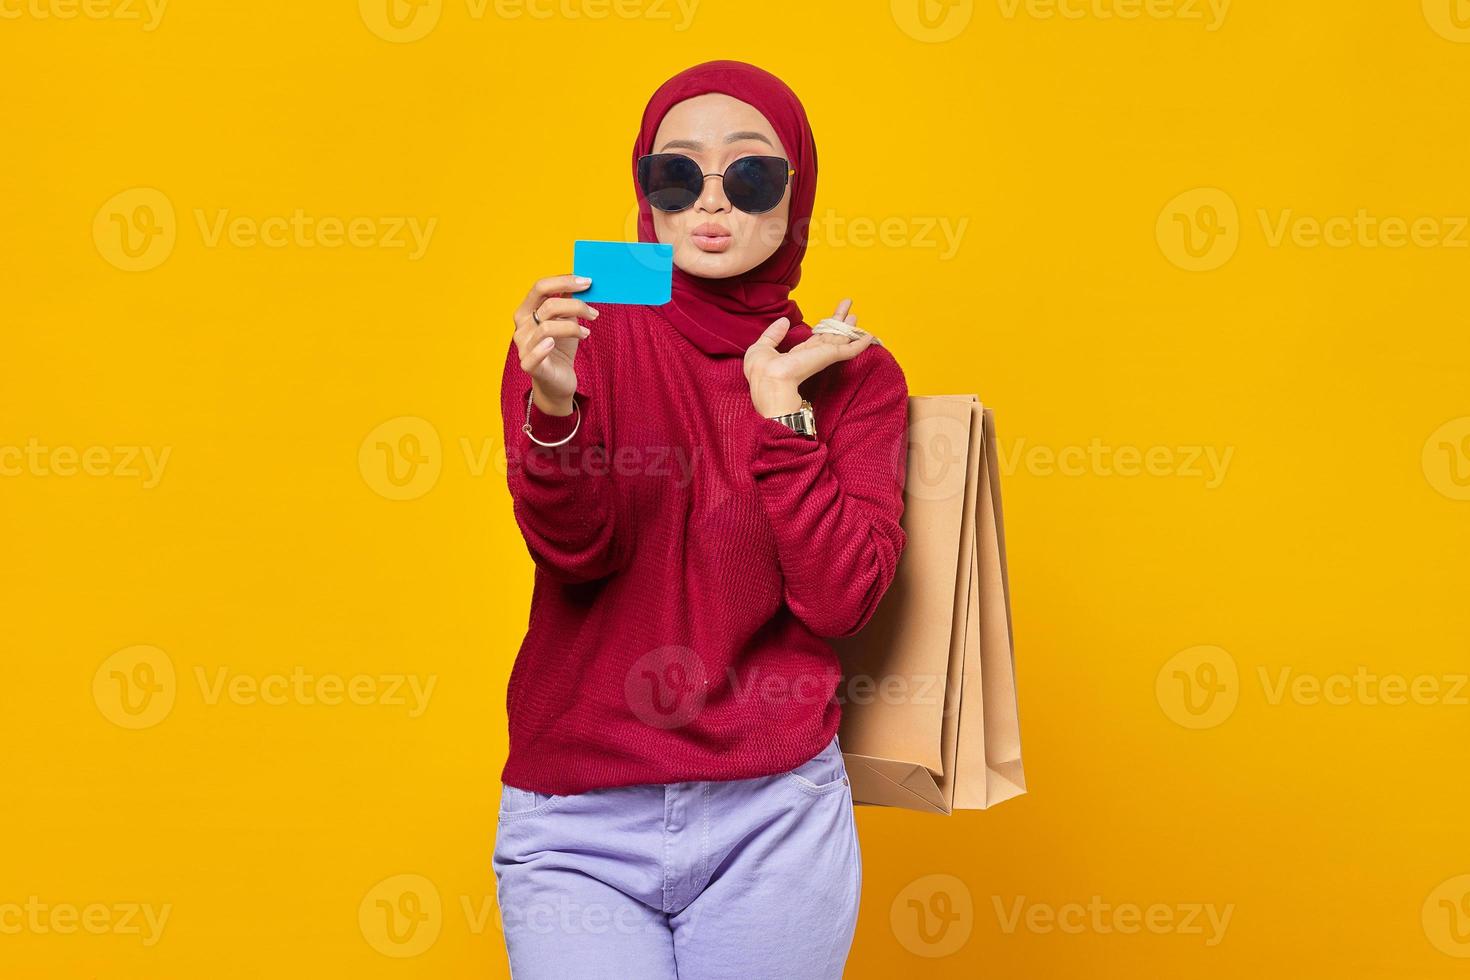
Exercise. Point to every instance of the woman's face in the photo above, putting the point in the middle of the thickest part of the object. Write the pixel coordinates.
(711, 238)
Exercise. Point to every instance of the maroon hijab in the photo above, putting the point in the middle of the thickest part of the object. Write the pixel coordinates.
(725, 316)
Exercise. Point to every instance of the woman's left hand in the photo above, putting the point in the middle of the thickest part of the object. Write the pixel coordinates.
(774, 376)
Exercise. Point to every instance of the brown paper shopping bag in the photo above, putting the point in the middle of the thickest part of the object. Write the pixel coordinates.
(929, 697)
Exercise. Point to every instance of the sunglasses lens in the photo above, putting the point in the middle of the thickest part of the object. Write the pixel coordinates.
(670, 181)
(756, 184)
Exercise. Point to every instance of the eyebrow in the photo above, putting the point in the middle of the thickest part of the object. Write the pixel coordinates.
(732, 138)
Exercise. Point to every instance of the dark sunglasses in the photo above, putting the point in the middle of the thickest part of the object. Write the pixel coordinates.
(673, 182)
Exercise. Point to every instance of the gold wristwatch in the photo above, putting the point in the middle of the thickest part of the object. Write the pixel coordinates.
(802, 420)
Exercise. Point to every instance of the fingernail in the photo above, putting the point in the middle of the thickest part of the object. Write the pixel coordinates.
(546, 343)
(595, 314)
(586, 332)
(582, 281)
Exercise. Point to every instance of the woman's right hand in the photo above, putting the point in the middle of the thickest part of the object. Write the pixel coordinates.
(548, 348)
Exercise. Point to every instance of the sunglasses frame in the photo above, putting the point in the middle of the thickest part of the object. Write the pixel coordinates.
(790, 172)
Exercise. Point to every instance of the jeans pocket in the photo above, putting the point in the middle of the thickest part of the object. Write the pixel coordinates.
(823, 773)
(517, 802)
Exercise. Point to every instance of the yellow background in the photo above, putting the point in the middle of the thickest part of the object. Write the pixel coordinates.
(1333, 542)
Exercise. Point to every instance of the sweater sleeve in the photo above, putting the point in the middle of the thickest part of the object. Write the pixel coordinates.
(562, 495)
(835, 503)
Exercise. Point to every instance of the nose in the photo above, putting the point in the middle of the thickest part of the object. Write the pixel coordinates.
(712, 199)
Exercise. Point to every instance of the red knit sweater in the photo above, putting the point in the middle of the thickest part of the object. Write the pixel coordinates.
(691, 555)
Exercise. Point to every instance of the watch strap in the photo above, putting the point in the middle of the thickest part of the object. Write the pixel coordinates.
(801, 421)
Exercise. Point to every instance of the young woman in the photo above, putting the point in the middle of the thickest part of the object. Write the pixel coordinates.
(675, 802)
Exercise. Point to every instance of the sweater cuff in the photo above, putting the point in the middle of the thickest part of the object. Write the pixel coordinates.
(776, 442)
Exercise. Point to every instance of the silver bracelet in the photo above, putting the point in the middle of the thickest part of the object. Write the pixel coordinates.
(527, 427)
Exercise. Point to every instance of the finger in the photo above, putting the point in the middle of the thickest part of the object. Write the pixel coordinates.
(849, 351)
(842, 309)
(824, 339)
(772, 335)
(532, 360)
(846, 350)
(851, 320)
(552, 286)
(822, 353)
(564, 308)
(552, 329)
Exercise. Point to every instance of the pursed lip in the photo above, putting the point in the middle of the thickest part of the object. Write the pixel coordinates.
(710, 237)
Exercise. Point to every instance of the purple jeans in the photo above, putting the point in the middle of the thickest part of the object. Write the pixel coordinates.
(746, 879)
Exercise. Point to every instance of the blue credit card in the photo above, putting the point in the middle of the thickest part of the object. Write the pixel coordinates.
(637, 273)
